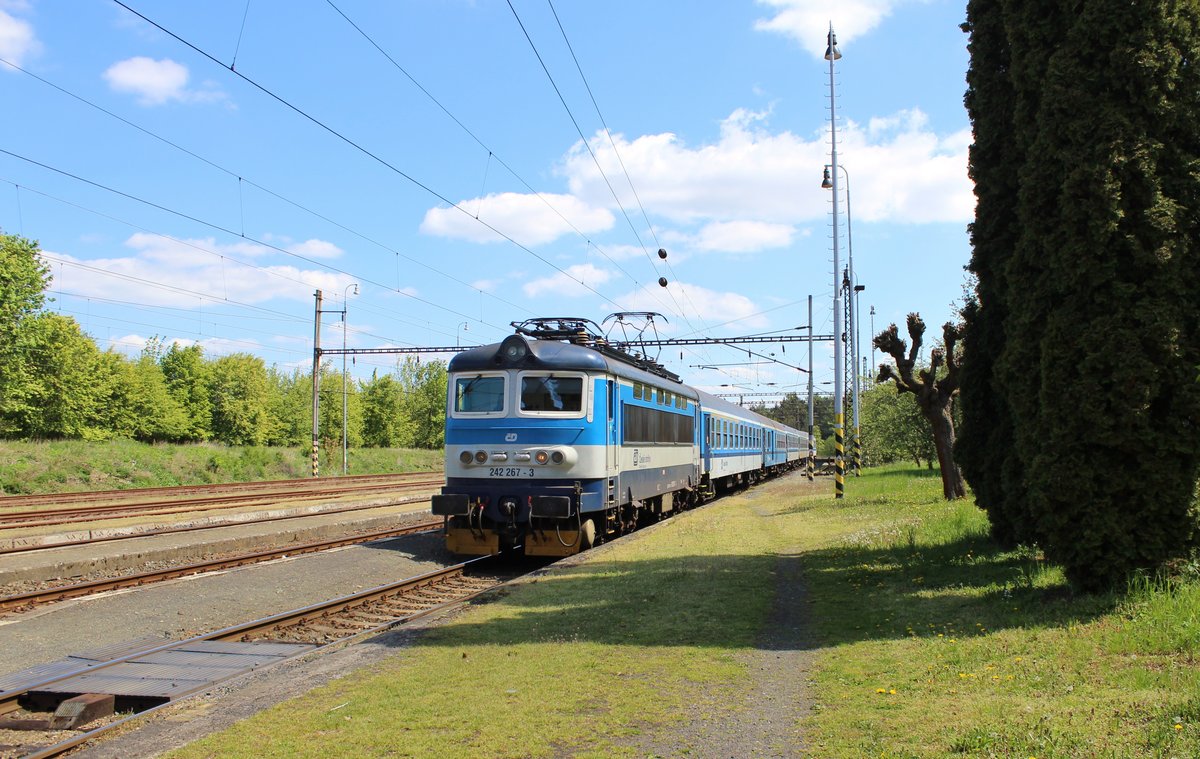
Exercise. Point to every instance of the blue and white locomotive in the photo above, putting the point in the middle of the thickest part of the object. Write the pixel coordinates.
(555, 440)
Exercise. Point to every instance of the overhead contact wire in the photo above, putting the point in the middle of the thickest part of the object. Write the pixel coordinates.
(383, 162)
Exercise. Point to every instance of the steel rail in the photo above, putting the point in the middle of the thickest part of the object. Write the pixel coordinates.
(182, 506)
(93, 587)
(127, 493)
(30, 547)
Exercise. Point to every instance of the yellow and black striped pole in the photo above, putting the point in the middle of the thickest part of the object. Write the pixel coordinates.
(316, 462)
(839, 460)
(812, 450)
(857, 451)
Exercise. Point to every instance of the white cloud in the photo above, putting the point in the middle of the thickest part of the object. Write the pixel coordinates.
(158, 82)
(187, 271)
(712, 307)
(528, 219)
(743, 236)
(902, 171)
(17, 39)
(132, 346)
(575, 281)
(316, 249)
(807, 21)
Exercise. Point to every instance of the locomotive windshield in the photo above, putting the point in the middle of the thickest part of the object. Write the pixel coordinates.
(550, 393)
(479, 394)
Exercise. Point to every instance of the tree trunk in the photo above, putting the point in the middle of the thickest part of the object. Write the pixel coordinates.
(953, 485)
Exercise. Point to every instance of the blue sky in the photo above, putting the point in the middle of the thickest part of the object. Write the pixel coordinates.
(428, 156)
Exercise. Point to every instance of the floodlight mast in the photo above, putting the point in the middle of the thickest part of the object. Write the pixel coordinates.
(831, 55)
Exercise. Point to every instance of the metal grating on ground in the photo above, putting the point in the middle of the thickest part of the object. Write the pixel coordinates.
(165, 674)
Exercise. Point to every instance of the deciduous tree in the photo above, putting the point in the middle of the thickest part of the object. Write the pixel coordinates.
(933, 393)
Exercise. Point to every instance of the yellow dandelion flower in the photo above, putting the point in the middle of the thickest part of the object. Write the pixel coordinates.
(893, 692)
(880, 690)
(1178, 726)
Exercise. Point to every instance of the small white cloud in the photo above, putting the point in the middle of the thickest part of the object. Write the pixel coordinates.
(743, 236)
(158, 82)
(316, 249)
(528, 219)
(807, 21)
(714, 307)
(17, 40)
(574, 281)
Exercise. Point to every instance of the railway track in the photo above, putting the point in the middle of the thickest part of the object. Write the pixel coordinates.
(311, 628)
(215, 499)
(44, 544)
(25, 601)
(92, 496)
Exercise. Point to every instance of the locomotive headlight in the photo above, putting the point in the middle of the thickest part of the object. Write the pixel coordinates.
(480, 457)
(557, 457)
(541, 457)
(465, 457)
(513, 349)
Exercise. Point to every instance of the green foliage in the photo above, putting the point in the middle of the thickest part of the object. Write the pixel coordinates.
(423, 387)
(1088, 269)
(186, 375)
(793, 411)
(64, 383)
(23, 278)
(384, 422)
(60, 466)
(240, 400)
(893, 427)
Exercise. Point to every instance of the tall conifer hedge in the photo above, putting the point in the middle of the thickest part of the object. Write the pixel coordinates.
(1089, 279)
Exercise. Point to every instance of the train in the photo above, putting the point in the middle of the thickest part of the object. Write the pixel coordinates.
(557, 440)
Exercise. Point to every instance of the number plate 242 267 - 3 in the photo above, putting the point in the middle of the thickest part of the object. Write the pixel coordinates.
(510, 471)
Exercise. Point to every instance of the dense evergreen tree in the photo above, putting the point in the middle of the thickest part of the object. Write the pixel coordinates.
(1090, 311)
(985, 443)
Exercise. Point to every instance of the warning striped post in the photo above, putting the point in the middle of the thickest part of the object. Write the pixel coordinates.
(857, 452)
(839, 454)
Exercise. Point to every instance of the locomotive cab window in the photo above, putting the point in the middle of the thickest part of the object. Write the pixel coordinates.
(479, 394)
(550, 393)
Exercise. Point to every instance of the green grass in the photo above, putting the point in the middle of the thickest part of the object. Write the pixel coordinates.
(70, 465)
(932, 642)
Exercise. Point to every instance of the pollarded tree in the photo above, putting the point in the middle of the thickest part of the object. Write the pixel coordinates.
(934, 394)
